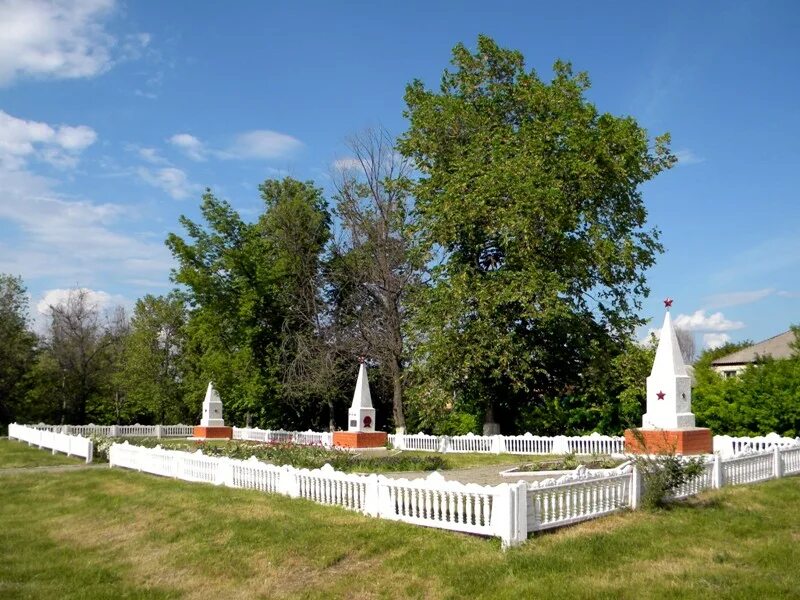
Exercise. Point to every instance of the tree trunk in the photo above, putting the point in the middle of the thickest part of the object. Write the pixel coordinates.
(489, 425)
(397, 397)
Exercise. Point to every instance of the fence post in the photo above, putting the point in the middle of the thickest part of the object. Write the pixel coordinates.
(89, 451)
(224, 475)
(444, 443)
(158, 431)
(289, 484)
(716, 472)
(400, 441)
(507, 522)
(497, 444)
(777, 462)
(560, 445)
(114, 432)
(636, 488)
(371, 496)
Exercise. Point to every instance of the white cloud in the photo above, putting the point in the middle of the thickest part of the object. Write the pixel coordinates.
(69, 240)
(59, 145)
(263, 144)
(62, 39)
(738, 298)
(699, 321)
(346, 164)
(173, 181)
(787, 294)
(190, 145)
(715, 340)
(151, 155)
(687, 157)
(60, 296)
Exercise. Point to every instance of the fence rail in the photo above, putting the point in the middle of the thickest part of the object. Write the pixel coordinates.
(158, 431)
(71, 445)
(304, 438)
(516, 444)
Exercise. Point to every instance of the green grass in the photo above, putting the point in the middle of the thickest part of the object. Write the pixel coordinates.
(120, 534)
(15, 454)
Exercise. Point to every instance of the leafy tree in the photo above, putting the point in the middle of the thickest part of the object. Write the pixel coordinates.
(235, 320)
(764, 398)
(532, 198)
(76, 346)
(17, 350)
(296, 227)
(376, 265)
(151, 373)
(253, 297)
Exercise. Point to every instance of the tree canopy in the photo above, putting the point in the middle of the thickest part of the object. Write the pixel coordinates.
(532, 198)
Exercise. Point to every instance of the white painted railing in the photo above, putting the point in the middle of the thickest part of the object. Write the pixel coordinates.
(433, 502)
(279, 436)
(554, 504)
(703, 481)
(136, 430)
(71, 445)
(750, 468)
(516, 444)
(732, 446)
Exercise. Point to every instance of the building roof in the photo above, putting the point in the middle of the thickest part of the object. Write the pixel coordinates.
(777, 347)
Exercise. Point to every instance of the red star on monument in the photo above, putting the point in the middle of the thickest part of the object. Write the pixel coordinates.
(660, 395)
(668, 303)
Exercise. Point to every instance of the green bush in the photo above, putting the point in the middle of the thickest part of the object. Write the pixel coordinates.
(308, 457)
(663, 474)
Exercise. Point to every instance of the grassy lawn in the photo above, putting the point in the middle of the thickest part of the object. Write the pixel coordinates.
(14, 454)
(121, 534)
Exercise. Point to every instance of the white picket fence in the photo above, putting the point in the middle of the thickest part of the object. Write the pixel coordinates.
(486, 510)
(731, 446)
(279, 436)
(71, 445)
(157, 431)
(507, 511)
(515, 444)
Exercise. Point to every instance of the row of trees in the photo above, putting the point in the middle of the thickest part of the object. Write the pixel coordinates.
(490, 264)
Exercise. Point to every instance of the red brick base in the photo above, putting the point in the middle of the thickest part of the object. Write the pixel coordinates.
(697, 440)
(213, 433)
(360, 439)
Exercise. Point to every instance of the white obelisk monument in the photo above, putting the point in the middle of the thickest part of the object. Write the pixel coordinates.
(669, 424)
(212, 424)
(361, 418)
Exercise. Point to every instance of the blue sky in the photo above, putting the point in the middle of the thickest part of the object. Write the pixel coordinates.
(114, 116)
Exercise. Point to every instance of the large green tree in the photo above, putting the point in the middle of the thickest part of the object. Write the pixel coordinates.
(532, 198)
(251, 290)
(17, 347)
(151, 374)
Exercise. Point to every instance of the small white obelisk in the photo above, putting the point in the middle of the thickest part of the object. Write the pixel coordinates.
(361, 416)
(669, 387)
(212, 409)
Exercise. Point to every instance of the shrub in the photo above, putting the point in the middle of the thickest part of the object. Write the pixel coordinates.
(308, 457)
(663, 474)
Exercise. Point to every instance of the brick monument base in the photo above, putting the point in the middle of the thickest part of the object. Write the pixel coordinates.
(360, 439)
(694, 440)
(213, 433)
